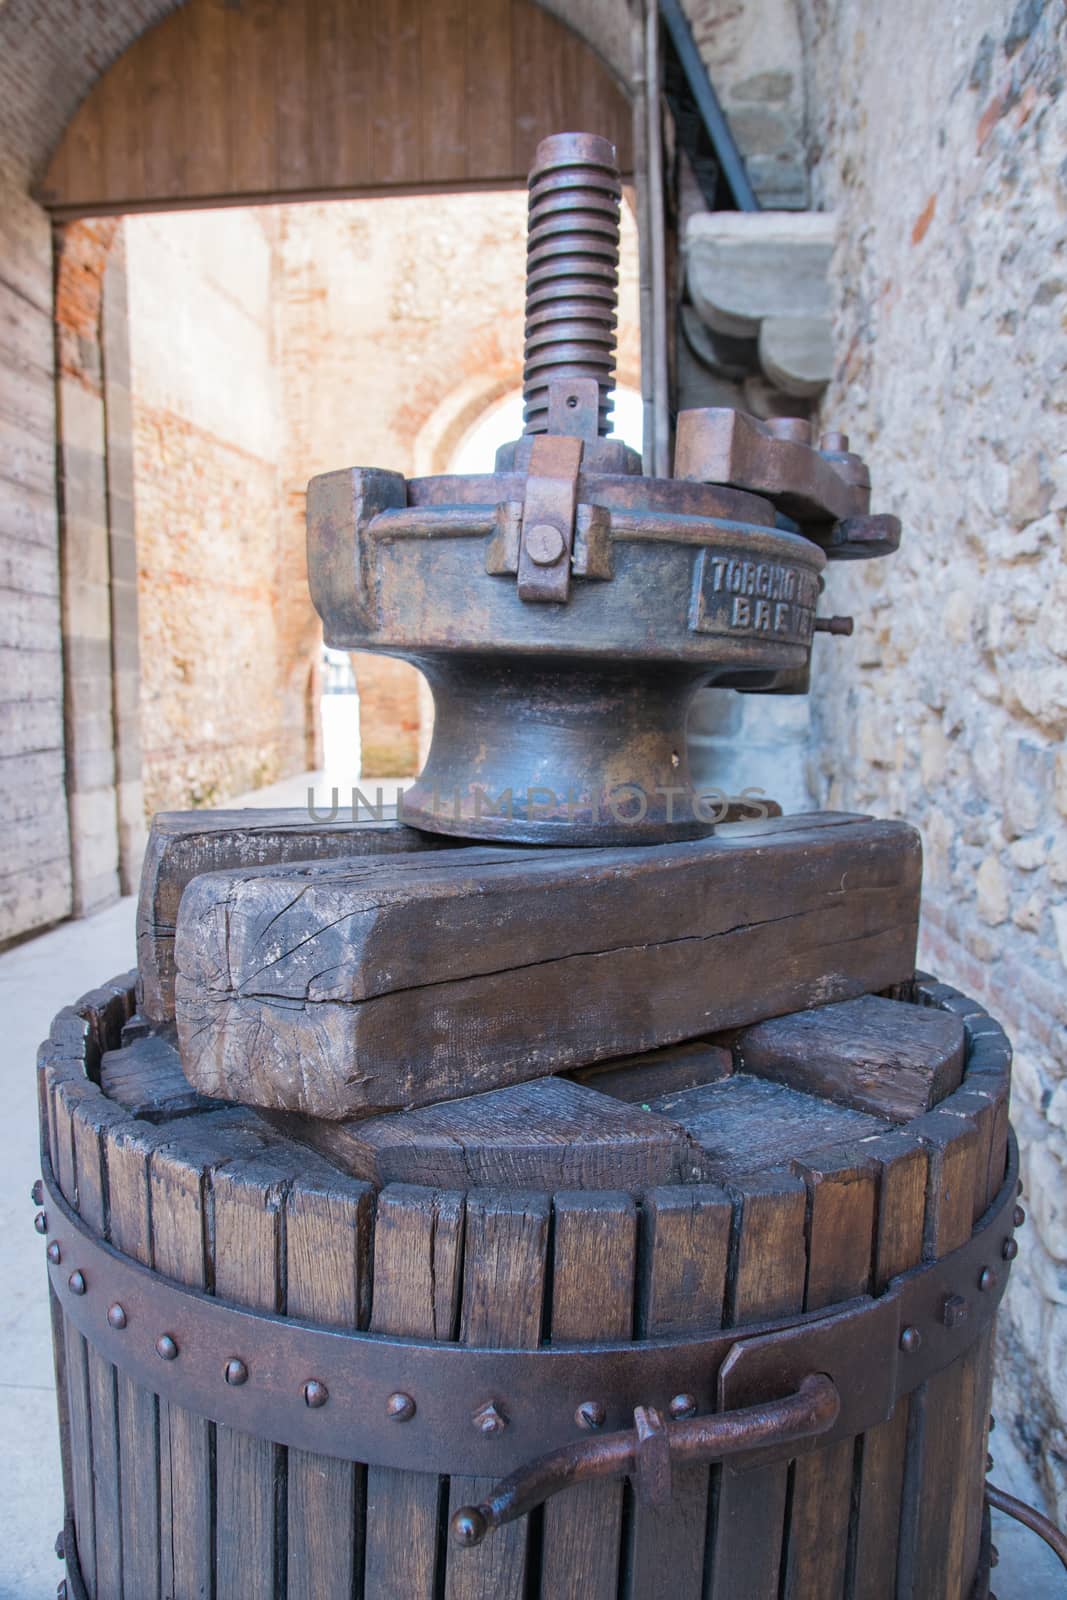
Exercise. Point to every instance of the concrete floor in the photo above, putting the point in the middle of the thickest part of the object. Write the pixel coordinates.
(36, 980)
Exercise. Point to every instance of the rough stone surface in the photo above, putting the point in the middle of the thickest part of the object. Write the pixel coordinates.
(944, 165)
(744, 266)
(752, 51)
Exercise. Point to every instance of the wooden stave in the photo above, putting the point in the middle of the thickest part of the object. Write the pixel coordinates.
(70, 1099)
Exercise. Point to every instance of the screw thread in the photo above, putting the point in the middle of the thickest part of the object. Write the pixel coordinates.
(572, 269)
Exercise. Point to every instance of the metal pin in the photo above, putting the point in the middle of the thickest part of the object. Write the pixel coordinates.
(837, 625)
(910, 1340)
(316, 1394)
(76, 1282)
(987, 1279)
(166, 1348)
(590, 1414)
(37, 1192)
(1010, 1249)
(40, 1222)
(236, 1372)
(954, 1310)
(488, 1420)
(116, 1316)
(54, 1253)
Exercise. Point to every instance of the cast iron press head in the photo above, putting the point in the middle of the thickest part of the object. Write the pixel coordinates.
(565, 608)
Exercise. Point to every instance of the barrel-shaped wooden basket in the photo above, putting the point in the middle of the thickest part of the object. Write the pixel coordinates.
(165, 1502)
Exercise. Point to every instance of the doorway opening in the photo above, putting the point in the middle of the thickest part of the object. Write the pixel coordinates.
(267, 344)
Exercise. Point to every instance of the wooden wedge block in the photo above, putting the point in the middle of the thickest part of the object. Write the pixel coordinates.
(145, 1076)
(347, 988)
(183, 844)
(877, 1055)
(548, 1134)
(641, 1079)
(746, 1125)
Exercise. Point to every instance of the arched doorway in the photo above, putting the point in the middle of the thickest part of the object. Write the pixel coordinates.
(263, 102)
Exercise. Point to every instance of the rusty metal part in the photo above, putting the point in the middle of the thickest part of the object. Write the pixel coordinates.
(581, 739)
(487, 1412)
(776, 459)
(572, 267)
(565, 609)
(1030, 1518)
(648, 1451)
(842, 626)
(548, 511)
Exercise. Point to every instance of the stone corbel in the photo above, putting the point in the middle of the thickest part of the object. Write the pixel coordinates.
(758, 317)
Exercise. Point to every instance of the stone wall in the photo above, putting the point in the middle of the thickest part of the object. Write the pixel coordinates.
(98, 579)
(35, 872)
(751, 49)
(944, 162)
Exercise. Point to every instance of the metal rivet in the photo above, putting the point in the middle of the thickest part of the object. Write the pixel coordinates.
(910, 1340)
(987, 1279)
(61, 1592)
(236, 1372)
(116, 1316)
(468, 1526)
(683, 1405)
(992, 1422)
(994, 1556)
(590, 1414)
(488, 1420)
(60, 1546)
(316, 1394)
(54, 1253)
(989, 1463)
(166, 1348)
(40, 1222)
(1018, 1216)
(1010, 1249)
(1019, 1187)
(37, 1192)
(544, 544)
(76, 1282)
(400, 1406)
(954, 1310)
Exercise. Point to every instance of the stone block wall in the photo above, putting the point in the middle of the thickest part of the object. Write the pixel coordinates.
(938, 138)
(35, 871)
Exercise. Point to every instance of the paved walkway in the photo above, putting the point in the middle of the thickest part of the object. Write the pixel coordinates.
(36, 980)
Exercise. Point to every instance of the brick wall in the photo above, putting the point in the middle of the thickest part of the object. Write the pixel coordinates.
(218, 708)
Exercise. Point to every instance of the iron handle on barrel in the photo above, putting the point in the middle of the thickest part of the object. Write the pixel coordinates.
(647, 1452)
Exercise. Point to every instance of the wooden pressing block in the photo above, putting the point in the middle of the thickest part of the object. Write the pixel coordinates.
(745, 1124)
(640, 1079)
(348, 988)
(877, 1055)
(183, 844)
(548, 1134)
(146, 1078)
